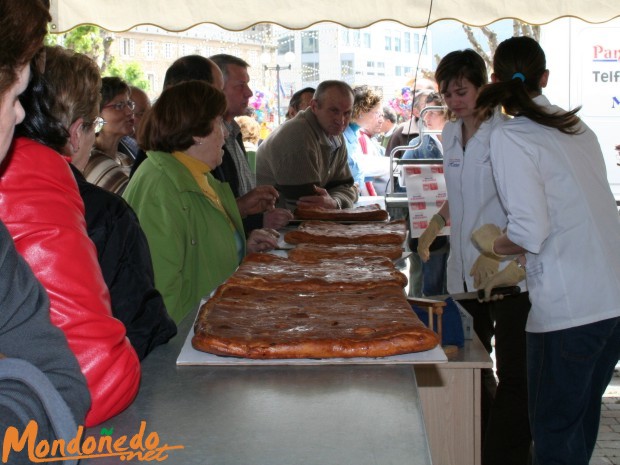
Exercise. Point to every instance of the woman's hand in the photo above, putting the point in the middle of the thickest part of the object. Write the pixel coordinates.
(277, 218)
(262, 240)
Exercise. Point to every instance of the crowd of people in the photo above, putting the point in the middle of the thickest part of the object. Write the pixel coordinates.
(118, 217)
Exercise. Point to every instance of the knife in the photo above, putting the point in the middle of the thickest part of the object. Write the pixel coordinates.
(479, 294)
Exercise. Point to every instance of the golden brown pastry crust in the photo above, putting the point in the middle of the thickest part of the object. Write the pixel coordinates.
(313, 252)
(325, 232)
(364, 213)
(255, 324)
(270, 272)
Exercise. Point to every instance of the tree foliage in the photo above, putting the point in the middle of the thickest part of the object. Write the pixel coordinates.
(96, 43)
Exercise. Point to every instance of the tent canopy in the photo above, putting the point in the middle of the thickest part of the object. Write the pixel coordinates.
(236, 15)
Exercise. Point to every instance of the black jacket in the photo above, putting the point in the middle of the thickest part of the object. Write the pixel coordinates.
(227, 172)
(125, 261)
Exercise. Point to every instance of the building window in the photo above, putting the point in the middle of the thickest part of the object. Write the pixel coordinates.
(388, 42)
(168, 50)
(346, 68)
(346, 37)
(380, 68)
(370, 68)
(416, 42)
(367, 41)
(286, 44)
(309, 42)
(311, 72)
(356, 38)
(407, 42)
(127, 47)
(397, 44)
(398, 71)
(151, 79)
(149, 49)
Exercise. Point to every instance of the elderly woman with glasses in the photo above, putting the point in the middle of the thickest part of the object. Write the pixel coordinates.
(122, 249)
(44, 213)
(191, 220)
(109, 167)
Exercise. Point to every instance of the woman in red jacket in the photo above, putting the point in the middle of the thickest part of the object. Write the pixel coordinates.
(43, 211)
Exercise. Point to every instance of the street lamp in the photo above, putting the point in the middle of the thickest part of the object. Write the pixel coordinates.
(266, 58)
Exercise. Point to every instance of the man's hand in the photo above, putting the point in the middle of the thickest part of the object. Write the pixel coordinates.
(276, 218)
(484, 237)
(258, 200)
(262, 240)
(512, 275)
(428, 236)
(483, 269)
(320, 199)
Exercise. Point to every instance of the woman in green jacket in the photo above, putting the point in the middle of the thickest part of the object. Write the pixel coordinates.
(191, 220)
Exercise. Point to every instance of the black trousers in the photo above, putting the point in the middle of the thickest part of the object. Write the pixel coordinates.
(506, 437)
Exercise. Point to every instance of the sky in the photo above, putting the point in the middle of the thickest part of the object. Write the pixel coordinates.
(449, 35)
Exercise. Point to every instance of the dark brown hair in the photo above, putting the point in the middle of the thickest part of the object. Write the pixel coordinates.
(23, 25)
(181, 112)
(519, 64)
(111, 86)
(458, 65)
(461, 64)
(187, 68)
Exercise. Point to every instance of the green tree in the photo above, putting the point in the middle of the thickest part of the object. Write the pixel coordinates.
(96, 43)
(130, 73)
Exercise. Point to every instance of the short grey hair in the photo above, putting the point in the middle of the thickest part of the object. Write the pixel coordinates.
(325, 85)
(222, 61)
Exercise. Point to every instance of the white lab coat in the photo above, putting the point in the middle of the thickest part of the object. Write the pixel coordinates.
(560, 208)
(472, 196)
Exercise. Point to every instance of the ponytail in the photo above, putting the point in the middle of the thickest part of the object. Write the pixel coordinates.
(519, 64)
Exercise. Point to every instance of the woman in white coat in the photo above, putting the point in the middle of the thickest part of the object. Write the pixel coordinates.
(551, 178)
(472, 202)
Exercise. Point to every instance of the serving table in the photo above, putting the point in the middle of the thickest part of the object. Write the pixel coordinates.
(338, 412)
(272, 415)
(450, 395)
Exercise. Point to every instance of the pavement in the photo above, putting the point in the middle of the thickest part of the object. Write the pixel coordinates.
(607, 451)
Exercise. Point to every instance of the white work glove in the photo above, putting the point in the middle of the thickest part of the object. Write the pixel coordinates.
(484, 237)
(428, 236)
(512, 275)
(483, 269)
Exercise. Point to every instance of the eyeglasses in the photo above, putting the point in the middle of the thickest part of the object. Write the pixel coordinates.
(119, 106)
(97, 123)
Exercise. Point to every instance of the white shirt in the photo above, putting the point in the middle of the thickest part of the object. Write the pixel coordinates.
(472, 197)
(373, 164)
(560, 208)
